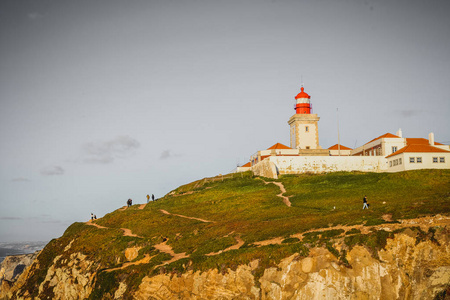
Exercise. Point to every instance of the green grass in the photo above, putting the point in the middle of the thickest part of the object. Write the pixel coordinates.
(243, 206)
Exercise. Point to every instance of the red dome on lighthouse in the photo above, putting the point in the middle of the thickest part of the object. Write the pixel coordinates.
(302, 94)
(303, 105)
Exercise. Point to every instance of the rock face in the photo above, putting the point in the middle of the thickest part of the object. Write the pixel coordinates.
(407, 267)
(404, 270)
(12, 267)
(69, 279)
(65, 279)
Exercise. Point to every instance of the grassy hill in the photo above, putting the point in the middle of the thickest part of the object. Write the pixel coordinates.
(204, 218)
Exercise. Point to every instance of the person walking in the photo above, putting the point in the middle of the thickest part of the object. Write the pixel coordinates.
(148, 198)
(153, 197)
(365, 203)
(129, 202)
(92, 216)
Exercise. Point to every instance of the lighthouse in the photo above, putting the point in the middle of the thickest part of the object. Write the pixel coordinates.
(304, 125)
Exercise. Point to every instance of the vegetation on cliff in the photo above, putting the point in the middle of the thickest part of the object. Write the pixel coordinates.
(228, 221)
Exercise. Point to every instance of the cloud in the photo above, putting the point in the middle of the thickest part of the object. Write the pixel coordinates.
(10, 218)
(166, 154)
(407, 113)
(54, 170)
(34, 15)
(106, 152)
(20, 179)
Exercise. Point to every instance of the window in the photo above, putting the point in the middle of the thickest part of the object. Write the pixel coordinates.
(435, 159)
(390, 163)
(419, 159)
(399, 161)
(412, 160)
(306, 128)
(394, 149)
(307, 147)
(442, 159)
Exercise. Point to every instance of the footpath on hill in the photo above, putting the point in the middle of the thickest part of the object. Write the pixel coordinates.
(186, 217)
(164, 247)
(283, 190)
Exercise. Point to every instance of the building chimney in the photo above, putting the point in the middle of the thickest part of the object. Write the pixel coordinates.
(399, 132)
(431, 138)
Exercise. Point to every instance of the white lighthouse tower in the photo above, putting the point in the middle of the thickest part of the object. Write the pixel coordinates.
(304, 127)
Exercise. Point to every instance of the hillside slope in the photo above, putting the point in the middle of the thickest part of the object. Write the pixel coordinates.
(238, 236)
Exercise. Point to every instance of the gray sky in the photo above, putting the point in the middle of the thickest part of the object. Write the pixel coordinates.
(102, 101)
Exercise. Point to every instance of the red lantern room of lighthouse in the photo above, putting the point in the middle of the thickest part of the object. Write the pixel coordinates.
(303, 105)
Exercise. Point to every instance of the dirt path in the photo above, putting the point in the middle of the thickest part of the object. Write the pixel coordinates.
(239, 241)
(127, 232)
(192, 218)
(424, 223)
(274, 241)
(283, 190)
(163, 247)
(142, 206)
(95, 224)
(145, 260)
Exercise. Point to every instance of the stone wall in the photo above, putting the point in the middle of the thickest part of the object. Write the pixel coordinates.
(265, 168)
(318, 164)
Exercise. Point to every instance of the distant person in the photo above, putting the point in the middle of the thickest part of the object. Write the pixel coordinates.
(153, 197)
(148, 198)
(92, 216)
(95, 217)
(129, 202)
(365, 203)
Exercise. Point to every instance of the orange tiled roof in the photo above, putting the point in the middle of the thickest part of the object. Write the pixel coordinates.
(247, 165)
(386, 135)
(278, 146)
(418, 148)
(419, 141)
(336, 147)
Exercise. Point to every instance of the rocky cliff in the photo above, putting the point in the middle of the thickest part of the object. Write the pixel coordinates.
(411, 265)
(243, 237)
(405, 269)
(12, 267)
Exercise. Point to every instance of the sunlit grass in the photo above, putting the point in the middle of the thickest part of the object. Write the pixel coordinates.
(244, 206)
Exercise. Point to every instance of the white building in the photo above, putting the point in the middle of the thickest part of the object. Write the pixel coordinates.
(386, 153)
(417, 156)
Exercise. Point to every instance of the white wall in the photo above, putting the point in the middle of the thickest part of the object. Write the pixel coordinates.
(396, 163)
(265, 168)
(320, 164)
(274, 165)
(386, 145)
(427, 161)
(307, 138)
